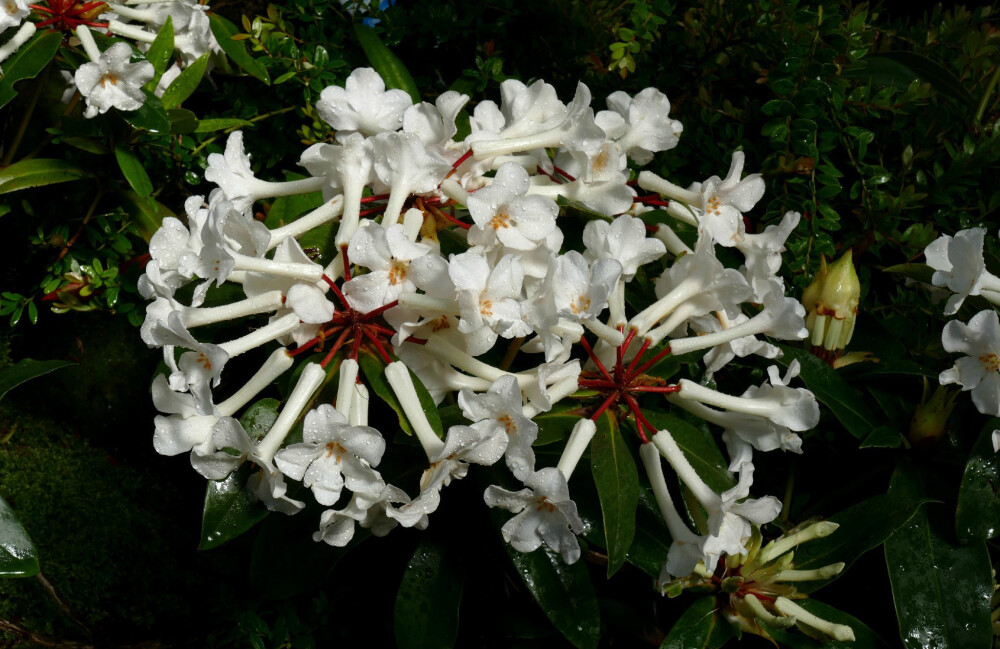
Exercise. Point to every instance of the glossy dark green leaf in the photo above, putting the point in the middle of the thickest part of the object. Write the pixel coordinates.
(133, 171)
(918, 272)
(563, 591)
(864, 636)
(373, 370)
(556, 425)
(161, 51)
(978, 512)
(426, 612)
(185, 84)
(18, 557)
(151, 116)
(25, 370)
(387, 64)
(147, 213)
(286, 561)
(863, 527)
(286, 209)
(39, 172)
(900, 69)
(617, 486)
(230, 509)
(30, 59)
(942, 591)
(223, 30)
(699, 447)
(846, 403)
(182, 121)
(212, 124)
(699, 627)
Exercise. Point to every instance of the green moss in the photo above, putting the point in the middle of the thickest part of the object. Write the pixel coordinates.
(104, 533)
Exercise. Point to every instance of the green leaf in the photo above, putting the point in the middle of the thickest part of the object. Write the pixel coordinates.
(941, 590)
(387, 64)
(556, 425)
(563, 591)
(900, 69)
(182, 121)
(699, 447)
(236, 50)
(160, 51)
(699, 627)
(25, 370)
(864, 636)
(219, 123)
(285, 560)
(151, 116)
(845, 402)
(18, 557)
(978, 512)
(918, 272)
(374, 371)
(286, 209)
(147, 213)
(133, 171)
(863, 527)
(617, 486)
(230, 509)
(30, 59)
(185, 84)
(426, 613)
(38, 172)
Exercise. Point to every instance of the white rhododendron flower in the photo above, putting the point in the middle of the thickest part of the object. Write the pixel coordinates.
(436, 269)
(112, 81)
(978, 370)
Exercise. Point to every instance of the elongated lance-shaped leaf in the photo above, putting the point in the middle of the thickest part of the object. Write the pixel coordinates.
(160, 52)
(223, 30)
(133, 171)
(39, 172)
(942, 591)
(978, 512)
(618, 487)
(25, 370)
(30, 59)
(185, 84)
(387, 64)
(426, 611)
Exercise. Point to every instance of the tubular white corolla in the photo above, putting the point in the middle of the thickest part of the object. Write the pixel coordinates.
(780, 546)
(309, 381)
(325, 213)
(200, 316)
(276, 364)
(283, 325)
(345, 390)
(840, 632)
(402, 385)
(578, 441)
(679, 531)
(652, 182)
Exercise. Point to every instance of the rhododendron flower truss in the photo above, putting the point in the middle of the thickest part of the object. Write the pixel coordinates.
(451, 270)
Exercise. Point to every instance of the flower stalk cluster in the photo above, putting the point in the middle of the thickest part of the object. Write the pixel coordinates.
(396, 186)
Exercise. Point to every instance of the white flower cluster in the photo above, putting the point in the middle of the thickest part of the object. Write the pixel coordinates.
(959, 266)
(391, 291)
(110, 79)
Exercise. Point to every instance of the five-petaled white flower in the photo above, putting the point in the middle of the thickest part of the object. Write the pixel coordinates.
(545, 514)
(113, 82)
(979, 369)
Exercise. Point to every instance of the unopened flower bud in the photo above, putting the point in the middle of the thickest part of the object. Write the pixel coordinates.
(832, 304)
(930, 421)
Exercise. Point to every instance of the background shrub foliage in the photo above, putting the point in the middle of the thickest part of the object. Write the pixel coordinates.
(879, 126)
